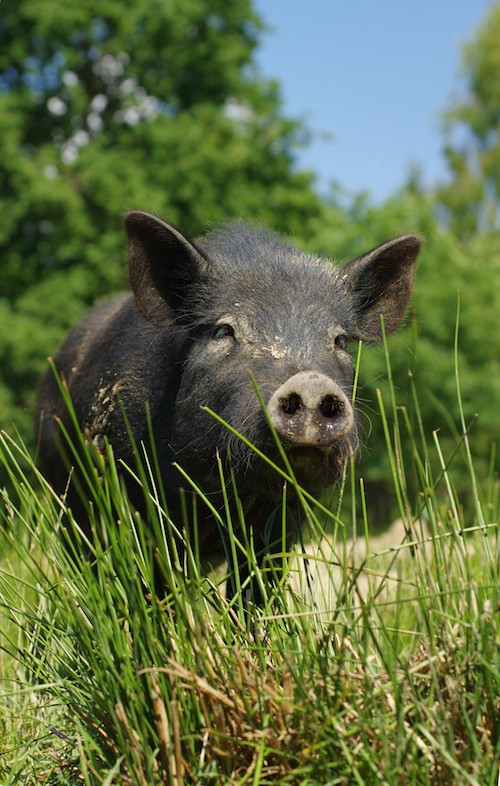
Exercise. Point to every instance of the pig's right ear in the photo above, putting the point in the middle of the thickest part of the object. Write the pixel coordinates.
(163, 264)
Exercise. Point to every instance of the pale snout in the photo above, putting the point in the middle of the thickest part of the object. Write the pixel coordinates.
(310, 410)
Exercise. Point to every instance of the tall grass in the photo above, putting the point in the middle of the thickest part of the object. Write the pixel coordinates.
(369, 662)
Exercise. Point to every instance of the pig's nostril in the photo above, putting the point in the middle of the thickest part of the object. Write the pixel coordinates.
(291, 404)
(331, 406)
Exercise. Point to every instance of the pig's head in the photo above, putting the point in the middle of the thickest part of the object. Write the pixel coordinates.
(250, 303)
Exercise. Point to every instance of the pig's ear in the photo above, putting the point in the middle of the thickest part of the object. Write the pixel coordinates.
(380, 283)
(163, 264)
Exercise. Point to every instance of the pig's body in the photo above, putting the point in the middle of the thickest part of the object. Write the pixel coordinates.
(198, 320)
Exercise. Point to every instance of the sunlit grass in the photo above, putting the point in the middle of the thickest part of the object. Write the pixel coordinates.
(372, 660)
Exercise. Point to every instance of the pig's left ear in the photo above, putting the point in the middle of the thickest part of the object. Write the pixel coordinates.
(379, 283)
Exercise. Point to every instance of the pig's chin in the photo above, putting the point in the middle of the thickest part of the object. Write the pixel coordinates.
(315, 469)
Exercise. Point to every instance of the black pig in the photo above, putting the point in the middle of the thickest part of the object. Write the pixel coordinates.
(200, 317)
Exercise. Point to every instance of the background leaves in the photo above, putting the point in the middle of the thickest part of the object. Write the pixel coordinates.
(162, 108)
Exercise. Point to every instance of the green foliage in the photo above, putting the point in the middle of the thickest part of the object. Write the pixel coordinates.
(161, 108)
(471, 200)
(102, 110)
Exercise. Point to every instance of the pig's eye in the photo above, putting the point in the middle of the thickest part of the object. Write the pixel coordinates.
(341, 342)
(223, 331)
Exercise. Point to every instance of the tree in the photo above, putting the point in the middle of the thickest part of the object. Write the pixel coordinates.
(471, 199)
(460, 264)
(157, 106)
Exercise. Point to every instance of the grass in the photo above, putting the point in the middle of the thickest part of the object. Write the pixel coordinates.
(374, 660)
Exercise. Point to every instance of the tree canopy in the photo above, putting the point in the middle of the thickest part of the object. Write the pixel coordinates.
(101, 110)
(160, 107)
(471, 198)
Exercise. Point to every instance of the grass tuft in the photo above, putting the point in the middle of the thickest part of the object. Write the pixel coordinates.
(373, 659)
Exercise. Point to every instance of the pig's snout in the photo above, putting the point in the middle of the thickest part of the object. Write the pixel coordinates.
(310, 410)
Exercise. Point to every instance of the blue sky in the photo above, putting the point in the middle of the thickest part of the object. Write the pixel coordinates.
(372, 75)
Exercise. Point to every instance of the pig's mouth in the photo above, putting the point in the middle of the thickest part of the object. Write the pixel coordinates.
(306, 455)
(314, 468)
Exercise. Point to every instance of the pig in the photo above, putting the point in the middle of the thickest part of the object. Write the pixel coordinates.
(204, 319)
